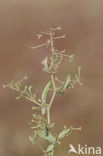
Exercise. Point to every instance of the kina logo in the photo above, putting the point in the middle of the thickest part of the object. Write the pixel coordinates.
(81, 150)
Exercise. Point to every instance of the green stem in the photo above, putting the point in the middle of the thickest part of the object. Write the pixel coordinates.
(48, 116)
(51, 101)
(48, 109)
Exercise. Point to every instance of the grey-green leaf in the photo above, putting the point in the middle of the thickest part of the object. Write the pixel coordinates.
(50, 148)
(63, 133)
(48, 137)
(46, 91)
(66, 82)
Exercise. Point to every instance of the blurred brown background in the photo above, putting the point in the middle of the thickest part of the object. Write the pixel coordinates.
(82, 22)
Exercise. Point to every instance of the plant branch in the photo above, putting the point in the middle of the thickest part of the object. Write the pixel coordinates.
(52, 98)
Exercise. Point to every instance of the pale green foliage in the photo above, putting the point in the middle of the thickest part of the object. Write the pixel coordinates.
(41, 122)
(63, 133)
(50, 148)
(65, 83)
(44, 96)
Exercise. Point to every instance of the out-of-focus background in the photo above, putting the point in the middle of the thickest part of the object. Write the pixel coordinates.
(82, 22)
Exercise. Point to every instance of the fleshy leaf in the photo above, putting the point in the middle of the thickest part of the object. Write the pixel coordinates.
(46, 91)
(50, 148)
(48, 137)
(66, 82)
(63, 133)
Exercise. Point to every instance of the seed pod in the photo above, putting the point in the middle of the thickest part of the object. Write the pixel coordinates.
(66, 82)
(45, 92)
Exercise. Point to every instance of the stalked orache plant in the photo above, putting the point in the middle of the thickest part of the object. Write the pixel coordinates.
(41, 123)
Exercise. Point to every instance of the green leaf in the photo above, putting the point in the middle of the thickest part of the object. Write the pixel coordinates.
(46, 91)
(66, 82)
(42, 134)
(50, 148)
(63, 133)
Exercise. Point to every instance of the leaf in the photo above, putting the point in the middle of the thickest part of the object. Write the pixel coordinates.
(66, 82)
(43, 111)
(52, 125)
(50, 148)
(32, 139)
(63, 133)
(49, 137)
(46, 91)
